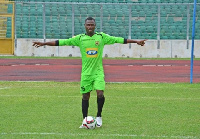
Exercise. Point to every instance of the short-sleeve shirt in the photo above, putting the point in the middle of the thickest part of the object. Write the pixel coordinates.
(91, 49)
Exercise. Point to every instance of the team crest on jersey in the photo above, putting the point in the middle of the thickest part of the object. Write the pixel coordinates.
(91, 52)
(97, 43)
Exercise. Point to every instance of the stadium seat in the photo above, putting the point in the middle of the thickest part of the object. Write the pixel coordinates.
(10, 9)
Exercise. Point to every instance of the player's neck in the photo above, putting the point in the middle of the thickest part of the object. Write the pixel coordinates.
(90, 34)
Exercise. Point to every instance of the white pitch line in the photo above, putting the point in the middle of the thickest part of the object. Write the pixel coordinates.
(4, 88)
(42, 96)
(45, 64)
(126, 97)
(149, 65)
(108, 135)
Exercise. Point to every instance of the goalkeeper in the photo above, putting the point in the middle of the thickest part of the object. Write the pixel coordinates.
(91, 45)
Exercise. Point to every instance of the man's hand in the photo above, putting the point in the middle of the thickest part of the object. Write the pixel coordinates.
(38, 44)
(142, 42)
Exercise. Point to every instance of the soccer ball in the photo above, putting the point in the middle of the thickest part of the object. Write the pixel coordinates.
(90, 122)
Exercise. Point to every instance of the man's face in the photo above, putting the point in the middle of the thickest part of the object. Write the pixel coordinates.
(90, 27)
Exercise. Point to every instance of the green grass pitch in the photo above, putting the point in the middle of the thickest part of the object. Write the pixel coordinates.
(132, 110)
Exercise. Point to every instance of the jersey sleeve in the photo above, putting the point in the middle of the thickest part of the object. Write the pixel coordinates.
(74, 41)
(111, 39)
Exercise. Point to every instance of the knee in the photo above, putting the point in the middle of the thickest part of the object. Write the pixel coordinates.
(99, 93)
(86, 96)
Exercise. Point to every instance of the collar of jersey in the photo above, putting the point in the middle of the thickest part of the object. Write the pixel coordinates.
(92, 35)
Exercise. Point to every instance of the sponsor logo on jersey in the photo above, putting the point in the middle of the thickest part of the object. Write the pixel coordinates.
(91, 52)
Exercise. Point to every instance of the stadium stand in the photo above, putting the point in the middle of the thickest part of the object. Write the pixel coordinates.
(5, 22)
(144, 18)
(115, 1)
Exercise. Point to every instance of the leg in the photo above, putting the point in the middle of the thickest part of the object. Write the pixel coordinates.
(99, 86)
(100, 101)
(85, 104)
(85, 89)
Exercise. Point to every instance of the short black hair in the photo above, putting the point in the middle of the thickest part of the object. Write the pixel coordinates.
(89, 18)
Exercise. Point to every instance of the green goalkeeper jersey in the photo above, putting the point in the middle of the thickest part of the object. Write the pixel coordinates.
(91, 49)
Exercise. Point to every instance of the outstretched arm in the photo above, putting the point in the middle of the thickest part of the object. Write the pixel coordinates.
(141, 42)
(38, 44)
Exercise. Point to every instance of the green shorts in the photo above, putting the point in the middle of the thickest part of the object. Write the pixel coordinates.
(92, 82)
